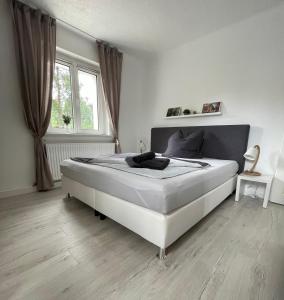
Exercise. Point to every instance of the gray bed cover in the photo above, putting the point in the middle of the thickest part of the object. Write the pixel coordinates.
(160, 195)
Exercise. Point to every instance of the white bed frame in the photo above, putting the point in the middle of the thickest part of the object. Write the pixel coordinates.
(159, 229)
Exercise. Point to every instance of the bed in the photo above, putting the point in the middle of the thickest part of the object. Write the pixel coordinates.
(161, 210)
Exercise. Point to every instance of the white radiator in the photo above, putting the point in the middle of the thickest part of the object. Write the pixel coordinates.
(56, 153)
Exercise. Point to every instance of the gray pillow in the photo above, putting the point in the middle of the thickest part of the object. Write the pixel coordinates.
(185, 146)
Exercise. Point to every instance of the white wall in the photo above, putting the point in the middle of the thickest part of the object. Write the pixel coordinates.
(16, 143)
(75, 42)
(132, 93)
(16, 148)
(242, 66)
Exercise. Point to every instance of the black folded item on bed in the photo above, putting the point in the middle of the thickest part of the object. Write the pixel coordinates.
(147, 160)
(143, 157)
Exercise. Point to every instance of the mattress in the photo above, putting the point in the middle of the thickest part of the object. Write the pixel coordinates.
(160, 195)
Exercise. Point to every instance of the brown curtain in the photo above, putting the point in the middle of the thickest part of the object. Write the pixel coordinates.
(35, 37)
(111, 64)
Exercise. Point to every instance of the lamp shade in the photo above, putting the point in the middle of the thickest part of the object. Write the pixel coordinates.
(251, 154)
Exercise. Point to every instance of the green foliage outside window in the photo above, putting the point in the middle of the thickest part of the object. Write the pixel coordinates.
(86, 111)
(61, 94)
(62, 101)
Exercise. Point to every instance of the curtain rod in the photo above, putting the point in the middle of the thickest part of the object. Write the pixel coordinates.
(76, 29)
(30, 3)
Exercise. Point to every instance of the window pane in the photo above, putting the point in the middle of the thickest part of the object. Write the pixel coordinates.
(61, 97)
(88, 100)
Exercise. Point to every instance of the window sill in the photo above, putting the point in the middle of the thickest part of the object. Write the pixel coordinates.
(51, 137)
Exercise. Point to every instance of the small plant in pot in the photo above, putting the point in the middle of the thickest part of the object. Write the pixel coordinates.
(66, 120)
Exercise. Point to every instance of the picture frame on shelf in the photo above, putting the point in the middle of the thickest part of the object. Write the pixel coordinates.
(212, 107)
(174, 111)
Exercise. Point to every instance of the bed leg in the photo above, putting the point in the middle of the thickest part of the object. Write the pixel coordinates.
(162, 253)
(102, 217)
(97, 213)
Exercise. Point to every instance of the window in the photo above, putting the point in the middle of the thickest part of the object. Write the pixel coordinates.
(77, 104)
(88, 100)
(61, 96)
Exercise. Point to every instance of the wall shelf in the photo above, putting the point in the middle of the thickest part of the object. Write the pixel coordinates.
(195, 115)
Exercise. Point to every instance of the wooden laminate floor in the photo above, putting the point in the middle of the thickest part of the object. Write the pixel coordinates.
(54, 248)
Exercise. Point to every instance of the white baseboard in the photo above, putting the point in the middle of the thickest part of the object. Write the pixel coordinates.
(22, 191)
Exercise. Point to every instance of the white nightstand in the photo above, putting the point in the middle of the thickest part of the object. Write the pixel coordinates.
(266, 179)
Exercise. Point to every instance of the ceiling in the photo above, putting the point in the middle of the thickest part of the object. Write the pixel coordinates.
(152, 25)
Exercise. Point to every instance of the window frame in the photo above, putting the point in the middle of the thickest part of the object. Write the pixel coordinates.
(99, 108)
(76, 64)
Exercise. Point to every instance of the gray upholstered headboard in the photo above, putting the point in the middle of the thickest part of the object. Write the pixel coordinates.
(220, 141)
